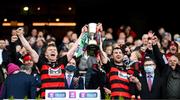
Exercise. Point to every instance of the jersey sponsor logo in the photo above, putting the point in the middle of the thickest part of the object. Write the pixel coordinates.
(54, 72)
(123, 75)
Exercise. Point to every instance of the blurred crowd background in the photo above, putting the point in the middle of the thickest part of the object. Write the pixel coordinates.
(137, 39)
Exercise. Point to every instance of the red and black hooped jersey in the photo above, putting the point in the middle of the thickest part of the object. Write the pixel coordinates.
(52, 78)
(119, 83)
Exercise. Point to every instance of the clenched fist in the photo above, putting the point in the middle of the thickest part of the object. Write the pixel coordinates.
(20, 31)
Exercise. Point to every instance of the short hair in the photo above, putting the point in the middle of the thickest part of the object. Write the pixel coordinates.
(175, 57)
(51, 39)
(147, 58)
(116, 48)
(50, 45)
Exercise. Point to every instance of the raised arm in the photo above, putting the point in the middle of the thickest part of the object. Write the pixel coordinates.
(71, 52)
(103, 55)
(26, 45)
(158, 55)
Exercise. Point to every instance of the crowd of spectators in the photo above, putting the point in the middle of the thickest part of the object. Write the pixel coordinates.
(125, 66)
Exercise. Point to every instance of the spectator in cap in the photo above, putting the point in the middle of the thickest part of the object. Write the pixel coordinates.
(18, 85)
(12, 68)
(27, 60)
(27, 56)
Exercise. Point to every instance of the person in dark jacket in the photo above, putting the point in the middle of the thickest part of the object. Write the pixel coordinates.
(18, 85)
(4, 60)
(151, 81)
(72, 77)
(173, 79)
(170, 71)
(25, 57)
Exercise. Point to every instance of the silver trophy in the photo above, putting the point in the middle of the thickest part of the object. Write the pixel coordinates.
(92, 47)
(92, 32)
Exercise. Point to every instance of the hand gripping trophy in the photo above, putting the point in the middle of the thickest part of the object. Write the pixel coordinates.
(94, 36)
(90, 40)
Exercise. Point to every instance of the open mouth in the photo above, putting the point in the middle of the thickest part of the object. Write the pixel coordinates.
(173, 49)
(118, 57)
(52, 55)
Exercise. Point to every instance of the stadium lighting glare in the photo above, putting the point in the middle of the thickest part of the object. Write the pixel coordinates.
(13, 24)
(38, 8)
(5, 19)
(26, 8)
(69, 8)
(57, 19)
(54, 24)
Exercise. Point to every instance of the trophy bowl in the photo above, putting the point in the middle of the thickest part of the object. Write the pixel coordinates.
(92, 30)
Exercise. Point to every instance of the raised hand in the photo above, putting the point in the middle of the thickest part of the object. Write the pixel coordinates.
(20, 31)
(150, 34)
(99, 27)
(26, 45)
(84, 29)
(154, 40)
(100, 42)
